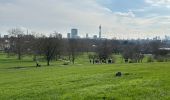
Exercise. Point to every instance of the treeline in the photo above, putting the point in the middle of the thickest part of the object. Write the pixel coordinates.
(54, 47)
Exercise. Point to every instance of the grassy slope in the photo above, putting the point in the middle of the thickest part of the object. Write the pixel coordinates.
(147, 81)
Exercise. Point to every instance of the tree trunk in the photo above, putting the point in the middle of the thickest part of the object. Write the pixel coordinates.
(48, 62)
(73, 59)
(19, 56)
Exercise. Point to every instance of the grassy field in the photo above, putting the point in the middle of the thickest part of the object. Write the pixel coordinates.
(20, 80)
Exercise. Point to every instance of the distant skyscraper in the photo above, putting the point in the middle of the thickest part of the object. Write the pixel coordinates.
(100, 31)
(27, 32)
(87, 35)
(94, 36)
(167, 37)
(74, 33)
(68, 35)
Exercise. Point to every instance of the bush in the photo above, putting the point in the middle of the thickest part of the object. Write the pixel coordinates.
(131, 61)
(150, 59)
(160, 59)
(66, 63)
(113, 59)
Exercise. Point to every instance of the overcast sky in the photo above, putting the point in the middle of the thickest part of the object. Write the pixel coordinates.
(119, 18)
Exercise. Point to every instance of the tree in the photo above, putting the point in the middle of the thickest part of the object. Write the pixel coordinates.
(132, 52)
(155, 46)
(47, 46)
(58, 43)
(1, 43)
(73, 49)
(104, 50)
(16, 41)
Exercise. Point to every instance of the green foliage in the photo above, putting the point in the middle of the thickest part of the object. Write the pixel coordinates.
(150, 59)
(162, 58)
(113, 59)
(66, 62)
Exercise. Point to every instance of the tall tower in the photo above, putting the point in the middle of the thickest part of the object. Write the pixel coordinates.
(87, 35)
(27, 32)
(100, 31)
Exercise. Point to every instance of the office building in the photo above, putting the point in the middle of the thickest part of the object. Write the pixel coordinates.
(87, 35)
(68, 35)
(74, 33)
(94, 36)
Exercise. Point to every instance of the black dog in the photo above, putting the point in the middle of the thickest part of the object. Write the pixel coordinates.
(118, 74)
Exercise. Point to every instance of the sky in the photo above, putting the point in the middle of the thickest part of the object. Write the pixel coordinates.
(118, 18)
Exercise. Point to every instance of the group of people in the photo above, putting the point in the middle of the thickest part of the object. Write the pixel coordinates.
(101, 61)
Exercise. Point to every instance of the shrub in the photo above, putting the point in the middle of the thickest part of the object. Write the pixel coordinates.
(66, 63)
(160, 60)
(150, 59)
(130, 61)
(113, 59)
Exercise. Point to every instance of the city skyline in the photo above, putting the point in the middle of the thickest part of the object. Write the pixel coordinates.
(137, 19)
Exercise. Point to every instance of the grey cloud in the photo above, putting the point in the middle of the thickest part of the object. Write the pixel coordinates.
(62, 15)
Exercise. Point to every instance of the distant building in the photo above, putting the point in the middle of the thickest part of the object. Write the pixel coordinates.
(68, 35)
(94, 36)
(157, 38)
(167, 37)
(167, 49)
(78, 37)
(87, 35)
(60, 36)
(74, 33)
(6, 36)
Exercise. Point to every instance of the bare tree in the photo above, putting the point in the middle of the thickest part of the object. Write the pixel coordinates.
(58, 43)
(1, 43)
(73, 49)
(16, 41)
(48, 48)
(104, 51)
(132, 52)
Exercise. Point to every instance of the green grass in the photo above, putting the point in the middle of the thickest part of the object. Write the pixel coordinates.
(83, 81)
